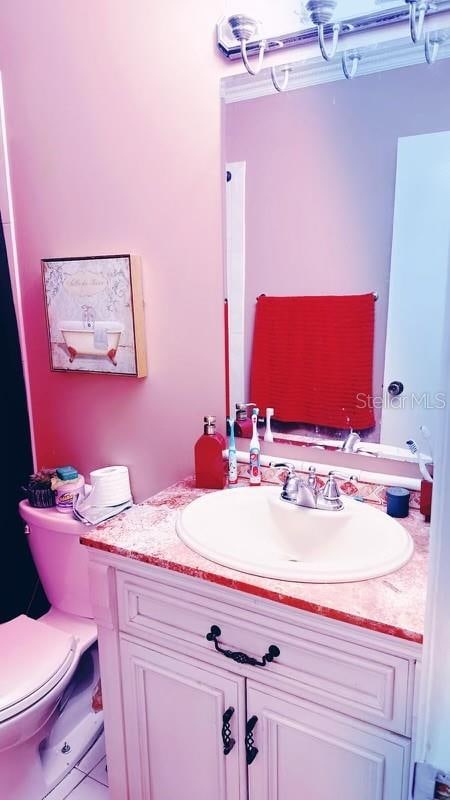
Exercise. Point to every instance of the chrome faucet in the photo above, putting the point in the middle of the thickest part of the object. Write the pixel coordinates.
(306, 493)
(351, 442)
(88, 316)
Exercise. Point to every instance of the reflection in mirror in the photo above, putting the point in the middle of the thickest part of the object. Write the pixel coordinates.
(338, 195)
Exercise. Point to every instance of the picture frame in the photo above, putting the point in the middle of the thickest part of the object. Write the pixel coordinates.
(95, 314)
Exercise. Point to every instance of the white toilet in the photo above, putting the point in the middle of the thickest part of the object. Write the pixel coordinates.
(49, 672)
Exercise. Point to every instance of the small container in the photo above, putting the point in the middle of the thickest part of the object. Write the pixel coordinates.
(41, 497)
(208, 454)
(40, 491)
(426, 494)
(397, 500)
(67, 486)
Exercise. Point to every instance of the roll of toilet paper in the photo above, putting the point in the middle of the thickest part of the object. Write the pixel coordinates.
(110, 486)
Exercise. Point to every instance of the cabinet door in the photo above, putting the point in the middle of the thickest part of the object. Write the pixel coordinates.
(309, 753)
(173, 712)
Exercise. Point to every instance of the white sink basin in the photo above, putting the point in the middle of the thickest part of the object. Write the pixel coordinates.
(252, 530)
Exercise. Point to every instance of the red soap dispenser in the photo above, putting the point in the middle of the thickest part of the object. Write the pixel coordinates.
(243, 425)
(209, 462)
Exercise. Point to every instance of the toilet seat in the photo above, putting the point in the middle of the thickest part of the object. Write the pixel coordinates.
(34, 657)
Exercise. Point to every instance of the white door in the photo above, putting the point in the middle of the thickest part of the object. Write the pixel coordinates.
(175, 730)
(309, 753)
(417, 289)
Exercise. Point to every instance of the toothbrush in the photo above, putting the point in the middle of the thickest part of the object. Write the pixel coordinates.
(422, 466)
(255, 452)
(232, 457)
(268, 435)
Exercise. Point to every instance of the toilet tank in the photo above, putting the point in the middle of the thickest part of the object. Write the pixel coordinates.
(60, 559)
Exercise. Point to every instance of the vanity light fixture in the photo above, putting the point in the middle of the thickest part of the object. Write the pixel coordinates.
(321, 12)
(350, 62)
(417, 12)
(244, 28)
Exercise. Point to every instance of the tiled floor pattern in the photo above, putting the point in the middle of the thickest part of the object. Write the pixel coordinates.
(88, 780)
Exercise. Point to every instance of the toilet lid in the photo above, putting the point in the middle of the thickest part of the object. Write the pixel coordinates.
(34, 657)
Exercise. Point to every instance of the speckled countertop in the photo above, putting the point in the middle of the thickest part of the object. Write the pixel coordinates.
(392, 604)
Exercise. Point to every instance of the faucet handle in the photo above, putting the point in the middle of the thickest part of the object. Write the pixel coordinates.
(290, 485)
(331, 489)
(284, 465)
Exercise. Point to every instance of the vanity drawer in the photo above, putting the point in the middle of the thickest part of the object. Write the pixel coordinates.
(364, 683)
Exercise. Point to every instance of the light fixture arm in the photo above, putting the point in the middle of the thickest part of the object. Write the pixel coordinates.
(253, 70)
(431, 48)
(350, 62)
(328, 54)
(281, 86)
(417, 12)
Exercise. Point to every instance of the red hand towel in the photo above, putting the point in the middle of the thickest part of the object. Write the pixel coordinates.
(312, 359)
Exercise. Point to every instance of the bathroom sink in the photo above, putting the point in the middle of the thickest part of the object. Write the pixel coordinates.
(252, 530)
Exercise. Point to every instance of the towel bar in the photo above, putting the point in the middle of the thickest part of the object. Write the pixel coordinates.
(375, 296)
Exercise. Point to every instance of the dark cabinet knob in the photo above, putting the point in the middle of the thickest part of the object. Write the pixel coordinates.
(395, 388)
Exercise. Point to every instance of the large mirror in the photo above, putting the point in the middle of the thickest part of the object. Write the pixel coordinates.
(338, 231)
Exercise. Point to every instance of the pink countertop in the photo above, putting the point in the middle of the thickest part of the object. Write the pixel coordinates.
(393, 604)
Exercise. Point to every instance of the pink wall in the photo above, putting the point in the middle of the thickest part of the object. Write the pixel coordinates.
(113, 118)
(320, 183)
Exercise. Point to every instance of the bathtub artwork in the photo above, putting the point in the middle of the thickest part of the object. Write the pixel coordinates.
(95, 314)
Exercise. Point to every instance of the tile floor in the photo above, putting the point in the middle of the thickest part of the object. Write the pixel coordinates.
(88, 780)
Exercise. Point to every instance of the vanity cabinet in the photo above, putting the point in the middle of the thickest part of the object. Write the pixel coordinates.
(209, 717)
(187, 737)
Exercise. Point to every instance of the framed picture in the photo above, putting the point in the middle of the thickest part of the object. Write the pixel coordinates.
(95, 314)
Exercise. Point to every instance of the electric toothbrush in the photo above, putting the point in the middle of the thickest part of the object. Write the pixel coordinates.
(426, 475)
(255, 452)
(232, 456)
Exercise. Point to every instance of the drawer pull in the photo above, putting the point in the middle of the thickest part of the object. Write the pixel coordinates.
(250, 749)
(236, 655)
(227, 739)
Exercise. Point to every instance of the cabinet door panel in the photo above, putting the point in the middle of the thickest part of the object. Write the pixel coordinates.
(308, 753)
(173, 710)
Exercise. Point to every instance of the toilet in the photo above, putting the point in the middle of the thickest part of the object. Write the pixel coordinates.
(49, 670)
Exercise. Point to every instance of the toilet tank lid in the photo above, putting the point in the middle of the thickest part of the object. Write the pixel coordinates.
(51, 519)
(35, 658)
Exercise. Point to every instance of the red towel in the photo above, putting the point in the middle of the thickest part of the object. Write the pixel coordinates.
(312, 359)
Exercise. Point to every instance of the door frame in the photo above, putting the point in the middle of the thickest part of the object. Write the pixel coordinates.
(235, 281)
(433, 720)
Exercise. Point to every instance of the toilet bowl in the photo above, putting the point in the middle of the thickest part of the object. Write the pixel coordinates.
(49, 671)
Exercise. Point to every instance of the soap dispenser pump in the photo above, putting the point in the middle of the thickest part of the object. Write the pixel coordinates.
(208, 454)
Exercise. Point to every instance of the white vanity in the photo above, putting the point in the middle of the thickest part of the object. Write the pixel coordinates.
(223, 685)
